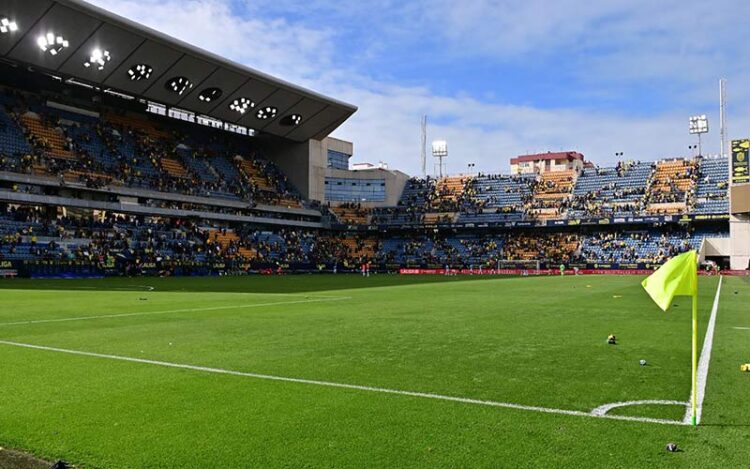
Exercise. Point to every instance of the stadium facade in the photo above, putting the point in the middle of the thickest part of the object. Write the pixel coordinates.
(123, 151)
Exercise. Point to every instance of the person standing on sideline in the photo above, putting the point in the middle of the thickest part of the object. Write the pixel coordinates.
(562, 270)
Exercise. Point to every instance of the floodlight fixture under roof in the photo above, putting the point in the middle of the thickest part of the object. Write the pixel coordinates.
(52, 43)
(210, 94)
(292, 120)
(140, 72)
(7, 25)
(268, 112)
(98, 59)
(241, 105)
(178, 85)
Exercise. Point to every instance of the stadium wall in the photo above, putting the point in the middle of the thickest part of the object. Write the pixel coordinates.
(335, 144)
(740, 198)
(303, 163)
(739, 235)
(716, 247)
(306, 166)
(394, 183)
(394, 180)
(739, 226)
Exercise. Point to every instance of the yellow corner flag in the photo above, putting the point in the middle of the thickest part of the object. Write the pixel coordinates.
(677, 277)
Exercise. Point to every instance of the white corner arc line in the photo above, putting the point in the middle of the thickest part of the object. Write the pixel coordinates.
(603, 409)
(705, 359)
(145, 287)
(186, 310)
(355, 387)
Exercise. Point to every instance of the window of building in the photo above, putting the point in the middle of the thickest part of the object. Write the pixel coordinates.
(355, 190)
(338, 160)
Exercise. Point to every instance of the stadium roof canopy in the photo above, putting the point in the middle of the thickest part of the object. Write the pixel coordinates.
(73, 39)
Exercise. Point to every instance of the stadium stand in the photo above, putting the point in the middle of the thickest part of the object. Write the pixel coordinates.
(13, 145)
(188, 182)
(672, 187)
(412, 204)
(351, 213)
(551, 196)
(645, 246)
(497, 198)
(121, 243)
(616, 191)
(133, 152)
(711, 194)
(439, 251)
(555, 247)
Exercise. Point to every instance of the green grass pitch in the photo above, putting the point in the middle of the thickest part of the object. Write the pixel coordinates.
(537, 342)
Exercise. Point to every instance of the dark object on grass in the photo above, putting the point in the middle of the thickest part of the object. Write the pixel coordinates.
(612, 340)
(60, 465)
(672, 447)
(143, 299)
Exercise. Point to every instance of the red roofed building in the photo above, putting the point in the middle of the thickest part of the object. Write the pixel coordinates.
(543, 162)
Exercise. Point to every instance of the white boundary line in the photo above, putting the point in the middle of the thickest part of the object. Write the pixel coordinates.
(602, 410)
(144, 287)
(705, 359)
(355, 387)
(188, 310)
(742, 328)
(132, 288)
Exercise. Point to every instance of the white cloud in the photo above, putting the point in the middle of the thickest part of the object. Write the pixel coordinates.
(387, 128)
(271, 46)
(387, 125)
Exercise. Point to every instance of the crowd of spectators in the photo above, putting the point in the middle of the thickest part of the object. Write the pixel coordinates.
(637, 246)
(673, 186)
(133, 241)
(130, 243)
(629, 188)
(352, 213)
(554, 247)
(106, 152)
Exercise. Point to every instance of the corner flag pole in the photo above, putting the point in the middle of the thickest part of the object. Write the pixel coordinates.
(695, 359)
(679, 277)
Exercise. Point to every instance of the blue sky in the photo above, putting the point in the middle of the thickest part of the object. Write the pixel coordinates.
(496, 77)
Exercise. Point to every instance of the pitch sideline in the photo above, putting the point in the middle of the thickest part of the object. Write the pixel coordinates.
(705, 359)
(356, 387)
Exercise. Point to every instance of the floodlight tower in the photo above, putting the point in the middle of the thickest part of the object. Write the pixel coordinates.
(423, 149)
(723, 116)
(440, 151)
(699, 126)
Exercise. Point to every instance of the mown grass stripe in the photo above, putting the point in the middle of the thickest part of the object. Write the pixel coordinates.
(170, 311)
(356, 387)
